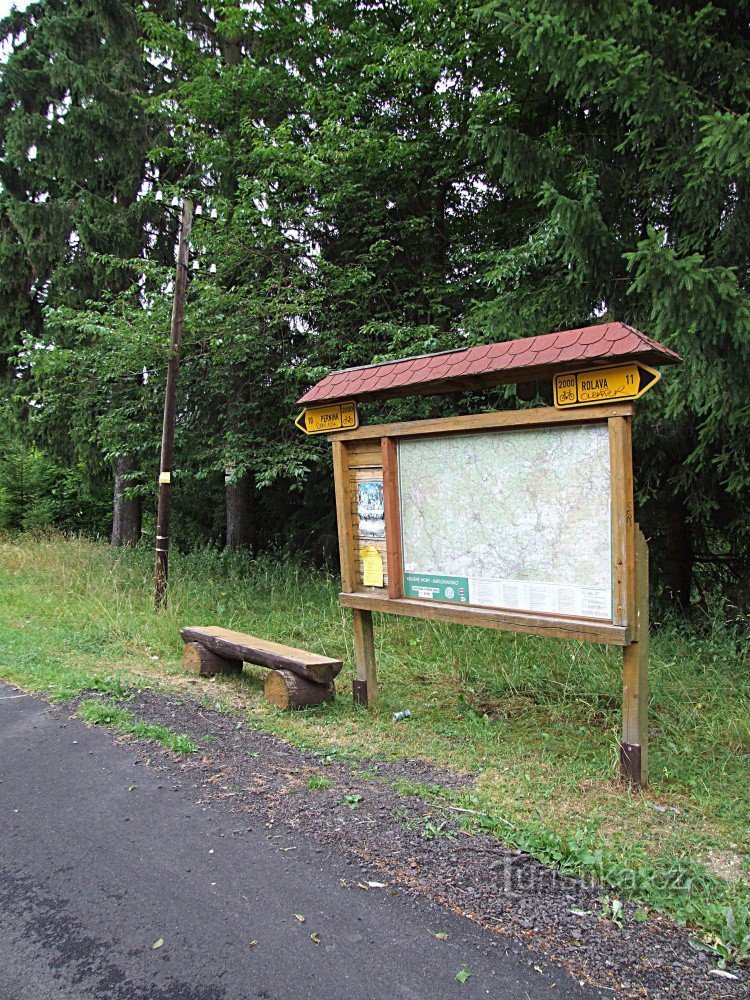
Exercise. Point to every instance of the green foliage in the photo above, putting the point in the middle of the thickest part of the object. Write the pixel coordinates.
(432, 829)
(625, 134)
(74, 144)
(387, 180)
(74, 138)
(106, 713)
(319, 781)
(37, 492)
(351, 801)
(731, 940)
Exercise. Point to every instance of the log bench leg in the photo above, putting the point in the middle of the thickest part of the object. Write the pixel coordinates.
(197, 659)
(286, 691)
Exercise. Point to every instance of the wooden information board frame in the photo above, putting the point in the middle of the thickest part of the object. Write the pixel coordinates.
(371, 453)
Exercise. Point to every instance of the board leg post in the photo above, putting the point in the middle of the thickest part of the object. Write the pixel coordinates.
(634, 743)
(365, 686)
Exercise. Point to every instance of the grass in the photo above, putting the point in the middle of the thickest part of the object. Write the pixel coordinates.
(318, 781)
(107, 713)
(536, 720)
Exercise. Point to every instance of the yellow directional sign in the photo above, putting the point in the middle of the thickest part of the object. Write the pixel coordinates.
(603, 385)
(330, 417)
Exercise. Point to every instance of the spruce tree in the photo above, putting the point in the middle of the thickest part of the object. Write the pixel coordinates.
(625, 135)
(74, 137)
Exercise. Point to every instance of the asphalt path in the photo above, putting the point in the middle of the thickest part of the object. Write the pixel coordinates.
(103, 855)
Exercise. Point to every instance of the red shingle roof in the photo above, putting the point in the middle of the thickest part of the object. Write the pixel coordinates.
(522, 360)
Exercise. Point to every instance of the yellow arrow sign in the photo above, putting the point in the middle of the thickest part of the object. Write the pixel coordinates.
(602, 385)
(330, 417)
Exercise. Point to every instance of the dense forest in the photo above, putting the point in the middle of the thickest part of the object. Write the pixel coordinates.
(376, 178)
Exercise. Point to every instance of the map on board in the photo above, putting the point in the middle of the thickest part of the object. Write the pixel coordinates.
(515, 519)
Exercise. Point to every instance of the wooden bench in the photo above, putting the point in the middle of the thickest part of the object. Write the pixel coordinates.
(298, 678)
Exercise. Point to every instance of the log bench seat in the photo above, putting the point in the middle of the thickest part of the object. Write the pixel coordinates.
(299, 678)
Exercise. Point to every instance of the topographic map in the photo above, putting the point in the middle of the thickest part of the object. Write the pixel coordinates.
(517, 519)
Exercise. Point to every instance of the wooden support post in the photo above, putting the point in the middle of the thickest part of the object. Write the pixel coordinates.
(389, 450)
(341, 473)
(634, 744)
(365, 686)
(623, 521)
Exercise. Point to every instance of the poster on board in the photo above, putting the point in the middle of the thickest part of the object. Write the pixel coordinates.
(371, 509)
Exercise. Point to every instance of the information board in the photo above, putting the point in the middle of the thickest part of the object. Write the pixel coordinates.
(519, 519)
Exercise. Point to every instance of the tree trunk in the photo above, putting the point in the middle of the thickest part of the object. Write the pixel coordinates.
(286, 691)
(240, 520)
(126, 516)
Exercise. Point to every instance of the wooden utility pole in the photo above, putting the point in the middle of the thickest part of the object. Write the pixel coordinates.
(161, 568)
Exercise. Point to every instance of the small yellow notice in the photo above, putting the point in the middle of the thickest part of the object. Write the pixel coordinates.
(331, 417)
(165, 477)
(373, 563)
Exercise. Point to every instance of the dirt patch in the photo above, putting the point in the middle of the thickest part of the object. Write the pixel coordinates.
(728, 865)
(349, 806)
